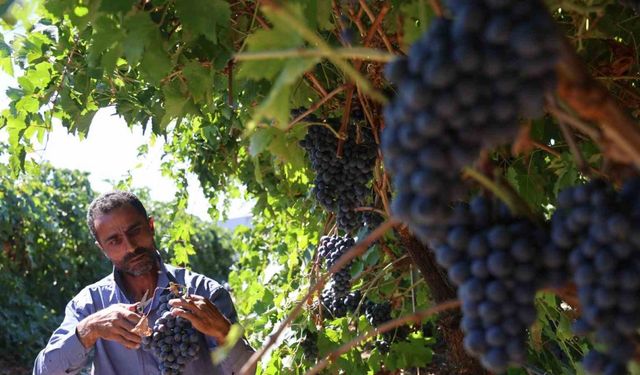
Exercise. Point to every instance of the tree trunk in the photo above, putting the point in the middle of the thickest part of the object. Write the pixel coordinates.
(458, 361)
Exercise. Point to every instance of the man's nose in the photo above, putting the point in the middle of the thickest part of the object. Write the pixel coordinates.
(129, 243)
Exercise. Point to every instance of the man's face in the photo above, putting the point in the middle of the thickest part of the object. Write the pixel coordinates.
(126, 238)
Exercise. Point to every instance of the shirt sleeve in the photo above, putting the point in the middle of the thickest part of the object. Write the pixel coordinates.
(242, 351)
(64, 354)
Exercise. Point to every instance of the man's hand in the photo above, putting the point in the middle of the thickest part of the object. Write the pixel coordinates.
(203, 315)
(113, 323)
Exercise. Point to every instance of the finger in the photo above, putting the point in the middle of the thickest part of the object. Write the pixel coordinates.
(125, 324)
(185, 304)
(186, 314)
(126, 341)
(131, 316)
(130, 336)
(121, 338)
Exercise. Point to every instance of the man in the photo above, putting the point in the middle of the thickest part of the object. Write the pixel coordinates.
(99, 320)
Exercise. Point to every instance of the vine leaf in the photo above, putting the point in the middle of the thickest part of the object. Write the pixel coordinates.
(260, 139)
(278, 103)
(5, 57)
(203, 17)
(139, 28)
(279, 37)
(156, 63)
(116, 6)
(174, 105)
(199, 81)
(318, 13)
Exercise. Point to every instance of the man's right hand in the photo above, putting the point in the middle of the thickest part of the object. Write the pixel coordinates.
(113, 323)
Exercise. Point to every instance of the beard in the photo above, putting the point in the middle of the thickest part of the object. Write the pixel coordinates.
(139, 262)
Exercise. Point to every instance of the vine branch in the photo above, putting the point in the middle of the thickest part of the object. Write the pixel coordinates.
(355, 53)
(593, 102)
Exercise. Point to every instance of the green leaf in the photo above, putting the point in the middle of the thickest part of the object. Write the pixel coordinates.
(36, 78)
(260, 139)
(110, 58)
(277, 104)
(83, 122)
(80, 11)
(174, 105)
(278, 38)
(202, 17)
(115, 6)
(287, 151)
(28, 104)
(221, 352)
(4, 6)
(324, 15)
(199, 80)
(139, 29)
(417, 16)
(156, 63)
(415, 352)
(5, 57)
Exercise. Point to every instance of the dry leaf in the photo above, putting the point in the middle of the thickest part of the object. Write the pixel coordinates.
(523, 143)
(142, 328)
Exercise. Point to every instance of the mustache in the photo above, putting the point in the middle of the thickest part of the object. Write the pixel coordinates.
(136, 253)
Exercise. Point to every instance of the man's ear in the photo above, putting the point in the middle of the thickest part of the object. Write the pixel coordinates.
(151, 224)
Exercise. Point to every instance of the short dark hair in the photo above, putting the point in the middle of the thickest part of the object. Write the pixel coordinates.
(108, 202)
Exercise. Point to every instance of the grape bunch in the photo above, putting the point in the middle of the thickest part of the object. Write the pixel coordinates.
(335, 293)
(376, 314)
(495, 260)
(596, 224)
(309, 344)
(462, 87)
(341, 183)
(174, 341)
(379, 313)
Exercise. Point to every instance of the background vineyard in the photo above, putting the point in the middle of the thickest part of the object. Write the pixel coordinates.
(230, 86)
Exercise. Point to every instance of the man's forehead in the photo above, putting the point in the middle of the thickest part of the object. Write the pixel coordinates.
(118, 215)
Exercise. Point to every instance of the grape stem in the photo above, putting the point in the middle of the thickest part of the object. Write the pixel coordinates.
(385, 327)
(315, 106)
(355, 251)
(504, 192)
(383, 36)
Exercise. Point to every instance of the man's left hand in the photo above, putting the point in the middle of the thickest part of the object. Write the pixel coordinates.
(203, 315)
